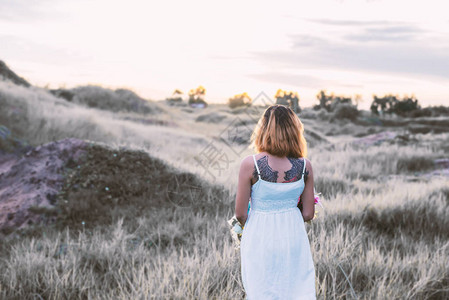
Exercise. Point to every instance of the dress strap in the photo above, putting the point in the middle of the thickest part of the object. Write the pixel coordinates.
(257, 167)
(304, 170)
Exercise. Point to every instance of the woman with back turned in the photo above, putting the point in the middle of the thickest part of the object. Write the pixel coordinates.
(276, 261)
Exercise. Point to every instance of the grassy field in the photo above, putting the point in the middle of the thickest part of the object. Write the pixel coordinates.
(161, 232)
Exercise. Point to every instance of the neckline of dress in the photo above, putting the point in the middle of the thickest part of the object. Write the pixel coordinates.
(260, 179)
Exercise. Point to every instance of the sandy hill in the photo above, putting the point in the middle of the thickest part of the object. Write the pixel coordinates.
(8, 74)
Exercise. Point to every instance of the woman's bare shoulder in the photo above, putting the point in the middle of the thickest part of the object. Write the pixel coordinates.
(308, 162)
(246, 167)
(247, 161)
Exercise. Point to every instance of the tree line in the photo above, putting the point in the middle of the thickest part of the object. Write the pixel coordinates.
(341, 106)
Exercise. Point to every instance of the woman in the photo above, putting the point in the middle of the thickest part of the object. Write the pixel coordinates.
(276, 261)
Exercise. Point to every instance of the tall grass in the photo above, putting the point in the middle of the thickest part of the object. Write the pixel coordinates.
(382, 234)
(177, 253)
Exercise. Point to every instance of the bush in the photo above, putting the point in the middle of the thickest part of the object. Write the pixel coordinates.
(415, 164)
(175, 101)
(392, 104)
(107, 99)
(346, 111)
(439, 110)
(239, 100)
(196, 97)
(197, 102)
(426, 112)
(288, 98)
(330, 102)
(406, 105)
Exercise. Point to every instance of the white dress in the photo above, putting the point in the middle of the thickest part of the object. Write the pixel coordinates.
(276, 261)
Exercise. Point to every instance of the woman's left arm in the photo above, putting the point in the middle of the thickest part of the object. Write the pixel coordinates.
(243, 190)
(308, 197)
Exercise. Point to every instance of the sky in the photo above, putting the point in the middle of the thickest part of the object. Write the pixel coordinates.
(230, 47)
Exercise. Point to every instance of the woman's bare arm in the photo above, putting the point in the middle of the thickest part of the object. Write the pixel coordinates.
(243, 190)
(308, 197)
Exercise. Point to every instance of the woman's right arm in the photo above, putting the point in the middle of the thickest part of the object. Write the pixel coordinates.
(308, 197)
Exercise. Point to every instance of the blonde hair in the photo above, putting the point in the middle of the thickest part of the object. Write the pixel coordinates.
(279, 132)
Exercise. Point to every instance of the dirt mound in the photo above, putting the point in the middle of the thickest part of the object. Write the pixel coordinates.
(79, 184)
(122, 182)
(8, 74)
(30, 183)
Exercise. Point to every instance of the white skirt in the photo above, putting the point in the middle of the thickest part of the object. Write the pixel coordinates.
(276, 261)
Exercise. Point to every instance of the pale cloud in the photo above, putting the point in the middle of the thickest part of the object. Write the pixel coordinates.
(395, 33)
(349, 22)
(297, 80)
(347, 46)
(20, 11)
(404, 49)
(26, 50)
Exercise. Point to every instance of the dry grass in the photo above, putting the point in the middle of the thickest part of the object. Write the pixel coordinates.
(380, 236)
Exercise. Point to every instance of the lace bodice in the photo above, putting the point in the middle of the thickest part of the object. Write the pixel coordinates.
(269, 196)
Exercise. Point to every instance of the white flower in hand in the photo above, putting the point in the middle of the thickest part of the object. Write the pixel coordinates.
(238, 229)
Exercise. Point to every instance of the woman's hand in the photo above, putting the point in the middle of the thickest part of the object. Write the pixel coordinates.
(308, 197)
(243, 189)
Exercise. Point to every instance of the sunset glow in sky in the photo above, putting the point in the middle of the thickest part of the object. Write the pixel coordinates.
(230, 47)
